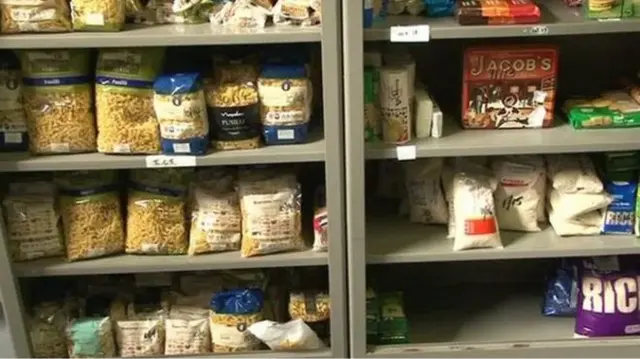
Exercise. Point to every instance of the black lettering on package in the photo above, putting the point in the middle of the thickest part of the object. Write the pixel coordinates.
(235, 123)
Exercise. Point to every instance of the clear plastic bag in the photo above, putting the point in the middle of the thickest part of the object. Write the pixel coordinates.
(310, 306)
(424, 191)
(215, 219)
(232, 312)
(13, 123)
(286, 97)
(240, 14)
(320, 222)
(187, 331)
(270, 215)
(290, 336)
(91, 213)
(124, 100)
(181, 110)
(46, 330)
(233, 107)
(156, 221)
(35, 16)
(32, 221)
(104, 15)
(58, 101)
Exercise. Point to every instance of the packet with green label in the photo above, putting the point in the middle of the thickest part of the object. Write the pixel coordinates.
(394, 328)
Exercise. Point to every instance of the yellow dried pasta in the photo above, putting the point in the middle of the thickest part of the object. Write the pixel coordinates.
(124, 100)
(58, 101)
(310, 307)
(91, 214)
(34, 16)
(270, 215)
(103, 15)
(229, 332)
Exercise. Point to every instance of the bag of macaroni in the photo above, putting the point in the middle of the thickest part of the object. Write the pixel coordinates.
(608, 300)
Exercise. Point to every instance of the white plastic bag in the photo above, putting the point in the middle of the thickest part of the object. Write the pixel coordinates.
(293, 335)
(572, 205)
(583, 225)
(573, 173)
(476, 225)
(517, 196)
(447, 185)
(424, 191)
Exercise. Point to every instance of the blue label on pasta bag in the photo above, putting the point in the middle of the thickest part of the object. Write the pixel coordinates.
(620, 215)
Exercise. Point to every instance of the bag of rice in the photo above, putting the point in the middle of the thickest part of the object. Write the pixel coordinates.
(424, 191)
(270, 214)
(32, 221)
(34, 16)
(124, 100)
(46, 330)
(91, 213)
(156, 217)
(182, 114)
(104, 15)
(215, 218)
(13, 124)
(58, 101)
(285, 96)
(232, 312)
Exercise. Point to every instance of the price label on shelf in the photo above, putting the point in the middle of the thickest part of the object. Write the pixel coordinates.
(538, 30)
(415, 33)
(406, 153)
(162, 161)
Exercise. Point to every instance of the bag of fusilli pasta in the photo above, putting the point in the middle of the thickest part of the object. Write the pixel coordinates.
(232, 312)
(91, 213)
(58, 101)
(156, 221)
(124, 100)
(182, 114)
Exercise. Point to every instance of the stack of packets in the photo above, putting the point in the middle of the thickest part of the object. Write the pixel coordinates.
(497, 12)
(612, 9)
(619, 108)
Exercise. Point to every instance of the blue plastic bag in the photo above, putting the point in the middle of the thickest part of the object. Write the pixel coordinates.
(561, 296)
(238, 301)
(620, 215)
(181, 110)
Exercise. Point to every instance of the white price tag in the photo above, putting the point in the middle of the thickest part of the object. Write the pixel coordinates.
(160, 161)
(416, 33)
(538, 30)
(613, 19)
(406, 153)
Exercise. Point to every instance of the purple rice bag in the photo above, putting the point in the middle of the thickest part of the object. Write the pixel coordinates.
(608, 298)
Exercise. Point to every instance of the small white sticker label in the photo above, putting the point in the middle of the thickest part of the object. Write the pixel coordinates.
(416, 33)
(286, 135)
(121, 148)
(160, 161)
(613, 19)
(406, 153)
(12, 137)
(96, 19)
(538, 30)
(181, 148)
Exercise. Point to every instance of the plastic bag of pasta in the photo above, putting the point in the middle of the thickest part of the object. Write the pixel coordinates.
(182, 114)
(124, 100)
(312, 307)
(270, 214)
(34, 16)
(187, 331)
(91, 213)
(32, 221)
(156, 217)
(58, 101)
(103, 15)
(285, 96)
(232, 312)
(46, 330)
(90, 337)
(215, 217)
(140, 323)
(233, 107)
(184, 11)
(13, 124)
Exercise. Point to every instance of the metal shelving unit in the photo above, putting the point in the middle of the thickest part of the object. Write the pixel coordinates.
(325, 146)
(512, 327)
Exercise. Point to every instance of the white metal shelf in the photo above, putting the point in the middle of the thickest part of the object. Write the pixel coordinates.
(422, 243)
(313, 151)
(561, 138)
(163, 35)
(510, 326)
(556, 19)
(149, 263)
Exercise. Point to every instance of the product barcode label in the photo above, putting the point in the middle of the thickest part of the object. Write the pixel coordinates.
(286, 135)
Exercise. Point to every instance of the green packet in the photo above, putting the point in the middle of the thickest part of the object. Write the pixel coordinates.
(611, 110)
(373, 317)
(393, 327)
(372, 121)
